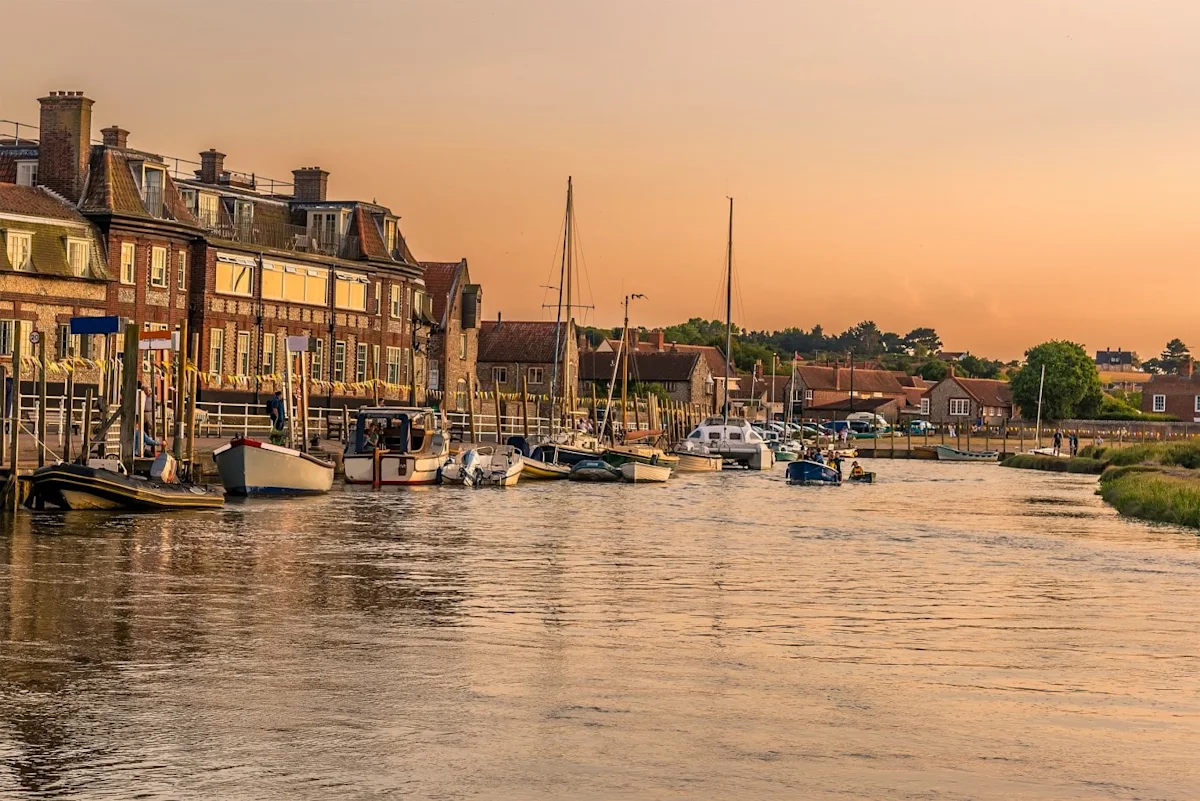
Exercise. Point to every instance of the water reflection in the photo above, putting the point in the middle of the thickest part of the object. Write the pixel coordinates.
(950, 631)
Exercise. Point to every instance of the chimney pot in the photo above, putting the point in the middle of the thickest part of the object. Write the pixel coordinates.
(310, 184)
(950, 371)
(659, 338)
(115, 136)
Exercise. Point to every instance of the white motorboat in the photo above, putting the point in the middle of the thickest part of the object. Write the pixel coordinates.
(695, 457)
(395, 445)
(734, 440)
(485, 466)
(641, 473)
(250, 467)
(947, 454)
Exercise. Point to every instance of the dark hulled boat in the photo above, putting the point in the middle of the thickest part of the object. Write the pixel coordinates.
(76, 486)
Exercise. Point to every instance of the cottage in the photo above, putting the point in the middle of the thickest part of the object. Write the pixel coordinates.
(821, 386)
(966, 400)
(454, 343)
(713, 357)
(684, 375)
(1176, 395)
(510, 350)
(1114, 361)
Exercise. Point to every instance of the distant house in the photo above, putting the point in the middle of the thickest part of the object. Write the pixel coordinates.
(1114, 361)
(510, 350)
(953, 355)
(454, 343)
(714, 357)
(1124, 380)
(965, 400)
(1176, 395)
(685, 375)
(761, 397)
(822, 389)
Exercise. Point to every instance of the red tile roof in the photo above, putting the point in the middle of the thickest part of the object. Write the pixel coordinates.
(824, 378)
(519, 341)
(987, 391)
(441, 279)
(369, 239)
(36, 202)
(649, 366)
(852, 405)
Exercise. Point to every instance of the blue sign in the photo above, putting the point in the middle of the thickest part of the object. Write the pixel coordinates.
(96, 325)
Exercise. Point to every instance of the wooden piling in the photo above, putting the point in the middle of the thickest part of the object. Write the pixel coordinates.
(471, 407)
(525, 405)
(66, 454)
(14, 450)
(85, 448)
(179, 360)
(193, 384)
(130, 364)
(3, 412)
(41, 418)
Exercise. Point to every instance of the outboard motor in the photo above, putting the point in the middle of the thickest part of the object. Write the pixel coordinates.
(164, 468)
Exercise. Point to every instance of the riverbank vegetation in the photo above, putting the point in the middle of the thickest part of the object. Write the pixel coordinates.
(1155, 481)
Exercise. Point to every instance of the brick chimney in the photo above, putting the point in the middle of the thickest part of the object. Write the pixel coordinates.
(758, 369)
(212, 166)
(658, 338)
(1189, 367)
(64, 142)
(950, 371)
(115, 136)
(309, 184)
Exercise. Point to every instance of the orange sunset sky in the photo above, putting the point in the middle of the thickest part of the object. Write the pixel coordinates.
(1005, 172)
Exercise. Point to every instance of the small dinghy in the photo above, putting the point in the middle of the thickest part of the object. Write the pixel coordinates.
(947, 454)
(77, 486)
(695, 457)
(863, 478)
(639, 473)
(543, 465)
(250, 467)
(594, 470)
(805, 472)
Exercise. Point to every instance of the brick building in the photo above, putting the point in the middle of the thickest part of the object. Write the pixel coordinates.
(245, 262)
(821, 386)
(454, 343)
(714, 359)
(1176, 395)
(510, 350)
(966, 400)
(684, 375)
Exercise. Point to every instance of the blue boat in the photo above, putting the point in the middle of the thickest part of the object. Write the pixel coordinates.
(806, 472)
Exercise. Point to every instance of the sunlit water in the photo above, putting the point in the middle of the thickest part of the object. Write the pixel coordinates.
(952, 632)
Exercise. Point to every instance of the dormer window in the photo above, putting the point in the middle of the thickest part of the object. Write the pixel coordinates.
(20, 250)
(325, 229)
(389, 235)
(27, 173)
(78, 256)
(153, 181)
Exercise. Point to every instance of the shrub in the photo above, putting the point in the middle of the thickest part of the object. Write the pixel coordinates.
(1093, 452)
(1081, 464)
(1035, 461)
(1182, 454)
(1134, 454)
(1114, 473)
(1155, 496)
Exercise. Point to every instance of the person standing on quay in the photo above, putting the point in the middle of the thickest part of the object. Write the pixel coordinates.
(278, 414)
(1057, 441)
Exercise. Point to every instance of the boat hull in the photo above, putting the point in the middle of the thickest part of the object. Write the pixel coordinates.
(248, 467)
(640, 473)
(73, 486)
(695, 463)
(534, 470)
(947, 454)
(595, 470)
(621, 455)
(804, 472)
(391, 469)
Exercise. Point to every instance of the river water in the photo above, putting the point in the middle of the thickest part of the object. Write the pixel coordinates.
(951, 632)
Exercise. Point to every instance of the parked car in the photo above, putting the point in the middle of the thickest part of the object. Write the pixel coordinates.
(875, 422)
(920, 427)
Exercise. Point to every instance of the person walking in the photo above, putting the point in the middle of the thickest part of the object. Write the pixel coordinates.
(277, 411)
(1058, 437)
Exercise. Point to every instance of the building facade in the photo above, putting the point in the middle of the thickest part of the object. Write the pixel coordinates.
(1176, 395)
(454, 343)
(512, 350)
(822, 386)
(966, 401)
(683, 375)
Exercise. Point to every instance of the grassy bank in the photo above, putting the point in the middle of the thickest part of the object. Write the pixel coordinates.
(1055, 464)
(1154, 495)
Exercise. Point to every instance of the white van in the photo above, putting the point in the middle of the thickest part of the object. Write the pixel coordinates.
(877, 422)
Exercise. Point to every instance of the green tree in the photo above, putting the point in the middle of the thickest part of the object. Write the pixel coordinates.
(1073, 388)
(1174, 356)
(934, 370)
(923, 341)
(975, 367)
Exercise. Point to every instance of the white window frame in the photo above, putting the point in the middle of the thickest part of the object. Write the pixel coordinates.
(84, 247)
(242, 353)
(808, 396)
(158, 267)
(963, 405)
(394, 356)
(216, 350)
(236, 272)
(208, 208)
(268, 354)
(27, 173)
(318, 360)
(128, 263)
(925, 406)
(11, 238)
(8, 331)
(1197, 406)
(362, 354)
(537, 375)
(435, 376)
(1158, 403)
(397, 310)
(462, 347)
(499, 375)
(181, 266)
(339, 361)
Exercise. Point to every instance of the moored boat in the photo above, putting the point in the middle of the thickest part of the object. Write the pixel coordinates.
(485, 466)
(393, 445)
(250, 467)
(594, 470)
(947, 454)
(617, 455)
(541, 465)
(641, 473)
(694, 457)
(76, 486)
(735, 440)
(803, 471)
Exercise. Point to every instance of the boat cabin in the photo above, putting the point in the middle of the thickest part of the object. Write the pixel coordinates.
(718, 429)
(394, 429)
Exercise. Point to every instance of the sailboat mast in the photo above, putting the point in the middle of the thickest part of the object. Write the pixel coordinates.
(625, 374)
(728, 311)
(558, 339)
(568, 259)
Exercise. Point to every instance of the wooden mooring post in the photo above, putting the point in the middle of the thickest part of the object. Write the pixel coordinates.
(471, 407)
(525, 405)
(41, 417)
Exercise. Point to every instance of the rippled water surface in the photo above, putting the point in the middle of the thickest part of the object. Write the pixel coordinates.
(952, 632)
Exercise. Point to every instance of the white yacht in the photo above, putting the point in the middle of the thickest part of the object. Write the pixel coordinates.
(734, 440)
(395, 445)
